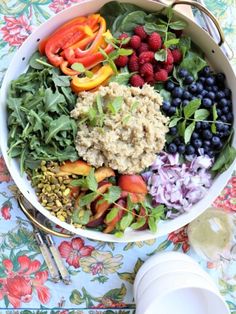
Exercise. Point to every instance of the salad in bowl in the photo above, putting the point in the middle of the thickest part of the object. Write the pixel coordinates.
(119, 122)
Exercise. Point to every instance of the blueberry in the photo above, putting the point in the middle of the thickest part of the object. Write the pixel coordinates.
(186, 95)
(185, 102)
(206, 71)
(198, 125)
(177, 141)
(183, 73)
(211, 154)
(221, 134)
(176, 102)
(219, 112)
(165, 106)
(169, 86)
(197, 143)
(220, 94)
(199, 87)
(201, 80)
(227, 92)
(172, 148)
(220, 77)
(204, 93)
(229, 103)
(199, 96)
(204, 125)
(223, 102)
(210, 81)
(206, 134)
(188, 79)
(229, 117)
(215, 141)
(181, 148)
(173, 130)
(225, 127)
(195, 135)
(192, 88)
(211, 95)
(207, 102)
(171, 111)
(190, 150)
(223, 118)
(177, 92)
(214, 88)
(206, 143)
(219, 126)
(208, 88)
(225, 109)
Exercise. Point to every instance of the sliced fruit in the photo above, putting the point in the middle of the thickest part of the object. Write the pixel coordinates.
(79, 167)
(132, 183)
(74, 191)
(103, 173)
(134, 197)
(101, 208)
(112, 224)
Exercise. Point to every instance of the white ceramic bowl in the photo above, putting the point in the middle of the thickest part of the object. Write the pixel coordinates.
(19, 64)
(193, 296)
(169, 268)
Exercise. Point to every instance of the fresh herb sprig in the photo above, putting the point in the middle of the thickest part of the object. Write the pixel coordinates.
(186, 118)
(133, 217)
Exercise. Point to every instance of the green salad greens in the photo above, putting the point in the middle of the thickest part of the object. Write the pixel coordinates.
(39, 104)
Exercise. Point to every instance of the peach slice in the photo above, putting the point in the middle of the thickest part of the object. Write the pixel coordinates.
(103, 173)
(132, 183)
(79, 167)
(134, 197)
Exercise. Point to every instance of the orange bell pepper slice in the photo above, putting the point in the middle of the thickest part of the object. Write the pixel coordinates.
(85, 84)
(97, 42)
(64, 68)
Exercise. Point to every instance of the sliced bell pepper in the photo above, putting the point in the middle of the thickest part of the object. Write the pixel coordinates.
(97, 41)
(64, 68)
(91, 60)
(82, 84)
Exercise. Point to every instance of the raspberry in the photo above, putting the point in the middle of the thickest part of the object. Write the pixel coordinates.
(142, 48)
(146, 69)
(124, 36)
(135, 42)
(121, 61)
(177, 55)
(149, 79)
(139, 30)
(154, 41)
(169, 59)
(146, 56)
(168, 67)
(161, 75)
(136, 81)
(133, 64)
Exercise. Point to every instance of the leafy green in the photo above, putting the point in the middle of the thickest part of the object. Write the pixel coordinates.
(153, 27)
(193, 63)
(225, 159)
(91, 181)
(115, 105)
(113, 194)
(188, 132)
(139, 223)
(215, 116)
(112, 214)
(178, 25)
(39, 103)
(191, 107)
(184, 44)
(87, 199)
(81, 216)
(171, 42)
(126, 220)
(201, 114)
(161, 55)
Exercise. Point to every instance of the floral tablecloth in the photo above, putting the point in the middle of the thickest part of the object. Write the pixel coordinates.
(102, 273)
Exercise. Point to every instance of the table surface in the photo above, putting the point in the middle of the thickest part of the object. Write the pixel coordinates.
(102, 273)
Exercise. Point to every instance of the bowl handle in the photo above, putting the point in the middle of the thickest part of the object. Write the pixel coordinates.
(203, 9)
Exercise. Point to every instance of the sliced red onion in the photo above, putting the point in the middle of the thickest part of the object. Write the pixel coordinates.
(176, 185)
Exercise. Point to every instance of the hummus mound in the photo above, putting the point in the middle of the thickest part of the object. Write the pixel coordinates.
(129, 139)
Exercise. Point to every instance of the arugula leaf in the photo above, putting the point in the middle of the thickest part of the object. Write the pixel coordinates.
(52, 100)
(201, 114)
(112, 195)
(63, 123)
(61, 80)
(188, 132)
(191, 107)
